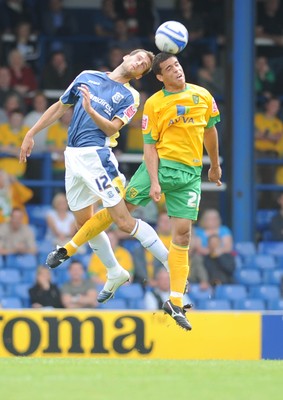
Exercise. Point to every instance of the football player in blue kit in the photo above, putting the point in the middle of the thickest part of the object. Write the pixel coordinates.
(91, 167)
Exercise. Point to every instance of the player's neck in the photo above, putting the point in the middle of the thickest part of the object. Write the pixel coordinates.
(118, 77)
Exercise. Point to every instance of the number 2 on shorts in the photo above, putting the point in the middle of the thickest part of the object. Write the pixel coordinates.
(193, 200)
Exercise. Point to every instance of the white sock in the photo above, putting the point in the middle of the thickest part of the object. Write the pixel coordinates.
(100, 245)
(150, 241)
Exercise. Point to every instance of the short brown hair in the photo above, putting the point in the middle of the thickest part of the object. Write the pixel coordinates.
(158, 59)
(150, 56)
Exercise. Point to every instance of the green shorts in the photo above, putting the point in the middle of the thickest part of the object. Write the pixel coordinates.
(182, 191)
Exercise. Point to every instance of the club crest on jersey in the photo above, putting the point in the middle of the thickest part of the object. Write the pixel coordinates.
(132, 193)
(182, 110)
(110, 194)
(144, 122)
(195, 99)
(117, 97)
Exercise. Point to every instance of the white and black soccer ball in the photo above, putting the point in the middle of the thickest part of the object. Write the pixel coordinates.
(171, 37)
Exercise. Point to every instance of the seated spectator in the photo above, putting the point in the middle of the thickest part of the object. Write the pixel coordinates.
(154, 298)
(39, 105)
(13, 194)
(97, 269)
(17, 237)
(210, 75)
(104, 19)
(57, 74)
(268, 134)
(5, 85)
(13, 12)
(12, 135)
(60, 221)
(78, 292)
(56, 141)
(198, 273)
(12, 102)
(122, 37)
(276, 223)
(23, 78)
(44, 293)
(220, 265)
(210, 224)
(264, 78)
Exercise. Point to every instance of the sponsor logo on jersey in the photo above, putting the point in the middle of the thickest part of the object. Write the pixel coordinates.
(130, 111)
(184, 120)
(133, 193)
(182, 110)
(108, 109)
(117, 97)
(195, 99)
(144, 122)
(214, 106)
(94, 82)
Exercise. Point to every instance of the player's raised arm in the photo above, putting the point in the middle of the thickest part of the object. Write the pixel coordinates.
(108, 127)
(52, 114)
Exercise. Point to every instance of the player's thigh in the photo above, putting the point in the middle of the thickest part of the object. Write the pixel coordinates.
(182, 195)
(137, 191)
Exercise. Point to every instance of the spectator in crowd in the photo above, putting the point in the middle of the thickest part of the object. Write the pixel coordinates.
(97, 269)
(78, 292)
(122, 38)
(57, 74)
(269, 25)
(154, 298)
(16, 237)
(56, 141)
(39, 105)
(13, 194)
(139, 16)
(12, 12)
(60, 221)
(210, 224)
(104, 19)
(12, 102)
(276, 223)
(5, 85)
(264, 78)
(23, 78)
(12, 135)
(268, 133)
(44, 293)
(210, 75)
(220, 265)
(27, 43)
(193, 21)
(198, 273)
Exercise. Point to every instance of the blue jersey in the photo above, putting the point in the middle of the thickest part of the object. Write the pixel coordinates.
(109, 98)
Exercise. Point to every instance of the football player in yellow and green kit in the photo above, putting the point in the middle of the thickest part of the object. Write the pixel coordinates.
(177, 121)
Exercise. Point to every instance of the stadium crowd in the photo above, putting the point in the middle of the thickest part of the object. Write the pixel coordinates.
(43, 46)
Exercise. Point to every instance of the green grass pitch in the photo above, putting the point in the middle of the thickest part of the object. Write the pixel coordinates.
(117, 379)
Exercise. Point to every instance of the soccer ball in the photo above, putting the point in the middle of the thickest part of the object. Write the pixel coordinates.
(171, 37)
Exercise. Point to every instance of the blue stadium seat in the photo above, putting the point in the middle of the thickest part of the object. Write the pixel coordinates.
(273, 248)
(1, 262)
(21, 261)
(249, 304)
(28, 276)
(261, 261)
(247, 276)
(230, 292)
(273, 277)
(214, 304)
(2, 291)
(11, 302)
(263, 219)
(131, 293)
(265, 292)
(245, 248)
(114, 304)
(21, 290)
(196, 293)
(279, 261)
(275, 304)
(10, 276)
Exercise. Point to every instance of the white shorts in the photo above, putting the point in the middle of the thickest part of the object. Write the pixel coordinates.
(92, 174)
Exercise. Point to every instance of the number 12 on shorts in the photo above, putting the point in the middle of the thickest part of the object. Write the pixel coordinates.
(102, 183)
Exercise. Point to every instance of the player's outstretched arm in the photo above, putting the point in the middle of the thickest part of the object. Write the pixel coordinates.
(52, 114)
